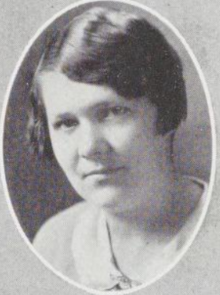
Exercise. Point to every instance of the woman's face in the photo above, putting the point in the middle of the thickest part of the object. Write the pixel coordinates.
(105, 144)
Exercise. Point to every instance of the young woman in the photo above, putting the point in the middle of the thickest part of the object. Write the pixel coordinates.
(107, 99)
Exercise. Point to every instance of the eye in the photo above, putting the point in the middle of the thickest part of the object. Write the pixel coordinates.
(114, 112)
(67, 123)
(118, 110)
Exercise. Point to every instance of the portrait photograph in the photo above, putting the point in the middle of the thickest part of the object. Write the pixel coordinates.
(109, 151)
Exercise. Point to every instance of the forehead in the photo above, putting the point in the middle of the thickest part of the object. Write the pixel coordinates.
(61, 94)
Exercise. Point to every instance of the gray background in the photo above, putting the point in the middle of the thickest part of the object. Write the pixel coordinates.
(199, 271)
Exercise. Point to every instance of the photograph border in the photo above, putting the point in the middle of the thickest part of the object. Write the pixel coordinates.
(212, 124)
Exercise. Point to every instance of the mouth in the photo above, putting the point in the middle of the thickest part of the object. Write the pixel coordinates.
(103, 172)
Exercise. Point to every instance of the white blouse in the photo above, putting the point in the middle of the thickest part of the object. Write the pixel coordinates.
(76, 242)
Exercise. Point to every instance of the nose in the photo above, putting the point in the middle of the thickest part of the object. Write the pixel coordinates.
(92, 143)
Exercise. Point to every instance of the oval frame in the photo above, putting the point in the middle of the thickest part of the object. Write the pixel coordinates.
(169, 26)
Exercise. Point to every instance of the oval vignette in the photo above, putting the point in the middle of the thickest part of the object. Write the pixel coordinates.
(31, 183)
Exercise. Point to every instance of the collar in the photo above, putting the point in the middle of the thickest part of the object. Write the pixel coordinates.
(92, 254)
(92, 250)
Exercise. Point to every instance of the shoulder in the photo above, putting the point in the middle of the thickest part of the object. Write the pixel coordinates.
(198, 189)
(198, 182)
(191, 208)
(192, 194)
(66, 216)
(61, 220)
(55, 235)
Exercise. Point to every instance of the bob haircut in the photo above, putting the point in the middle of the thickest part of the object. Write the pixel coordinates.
(116, 49)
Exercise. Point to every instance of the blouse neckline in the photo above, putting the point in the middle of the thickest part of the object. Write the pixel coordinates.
(92, 251)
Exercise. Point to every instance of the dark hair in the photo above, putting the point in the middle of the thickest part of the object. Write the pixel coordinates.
(119, 50)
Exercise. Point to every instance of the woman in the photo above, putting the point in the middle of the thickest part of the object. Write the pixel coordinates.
(107, 99)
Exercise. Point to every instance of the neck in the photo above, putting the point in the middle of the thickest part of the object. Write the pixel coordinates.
(153, 216)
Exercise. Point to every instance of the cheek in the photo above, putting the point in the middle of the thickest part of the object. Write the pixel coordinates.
(136, 145)
(63, 150)
(120, 137)
(129, 139)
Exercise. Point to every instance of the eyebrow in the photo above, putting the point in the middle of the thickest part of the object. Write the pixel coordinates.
(64, 116)
(99, 105)
(103, 105)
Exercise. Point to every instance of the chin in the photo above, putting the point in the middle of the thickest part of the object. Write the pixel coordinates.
(108, 197)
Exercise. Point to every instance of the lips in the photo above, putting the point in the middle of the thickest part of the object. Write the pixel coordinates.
(103, 171)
